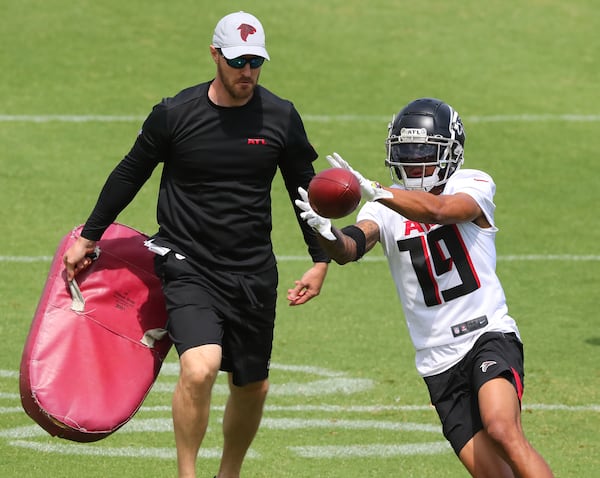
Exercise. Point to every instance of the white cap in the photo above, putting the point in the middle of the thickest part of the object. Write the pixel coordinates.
(240, 34)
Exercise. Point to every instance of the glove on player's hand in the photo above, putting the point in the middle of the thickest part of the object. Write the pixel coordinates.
(370, 190)
(320, 224)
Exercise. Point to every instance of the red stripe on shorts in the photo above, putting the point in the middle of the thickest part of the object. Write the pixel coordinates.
(518, 383)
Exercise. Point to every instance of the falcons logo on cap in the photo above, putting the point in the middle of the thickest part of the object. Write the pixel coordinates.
(246, 30)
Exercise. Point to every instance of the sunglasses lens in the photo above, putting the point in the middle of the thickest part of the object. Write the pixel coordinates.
(256, 62)
(240, 62)
(236, 62)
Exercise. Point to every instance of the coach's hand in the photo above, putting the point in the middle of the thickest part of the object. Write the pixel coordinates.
(309, 285)
(370, 190)
(79, 256)
(319, 224)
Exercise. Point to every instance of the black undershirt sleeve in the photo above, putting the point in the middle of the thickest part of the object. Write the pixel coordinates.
(124, 182)
(297, 171)
(119, 190)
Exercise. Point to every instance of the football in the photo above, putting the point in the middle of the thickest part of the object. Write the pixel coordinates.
(334, 193)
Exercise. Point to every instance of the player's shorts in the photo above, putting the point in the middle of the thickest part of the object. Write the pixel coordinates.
(454, 392)
(233, 310)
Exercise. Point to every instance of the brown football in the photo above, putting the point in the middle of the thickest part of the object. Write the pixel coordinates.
(334, 193)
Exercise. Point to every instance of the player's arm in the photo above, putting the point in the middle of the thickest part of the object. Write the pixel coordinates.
(342, 245)
(351, 242)
(420, 206)
(430, 208)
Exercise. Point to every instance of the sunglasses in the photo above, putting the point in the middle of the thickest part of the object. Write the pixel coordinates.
(240, 62)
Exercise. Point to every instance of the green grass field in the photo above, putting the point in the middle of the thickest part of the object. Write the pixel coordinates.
(78, 78)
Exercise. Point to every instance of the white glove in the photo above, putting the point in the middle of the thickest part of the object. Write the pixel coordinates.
(370, 190)
(319, 224)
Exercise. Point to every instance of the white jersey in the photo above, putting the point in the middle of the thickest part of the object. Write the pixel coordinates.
(445, 276)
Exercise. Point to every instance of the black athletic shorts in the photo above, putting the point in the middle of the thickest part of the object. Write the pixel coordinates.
(454, 392)
(233, 310)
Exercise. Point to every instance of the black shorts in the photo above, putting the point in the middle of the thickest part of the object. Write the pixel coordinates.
(454, 392)
(233, 310)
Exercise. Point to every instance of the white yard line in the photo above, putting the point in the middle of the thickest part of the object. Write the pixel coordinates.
(522, 118)
(374, 258)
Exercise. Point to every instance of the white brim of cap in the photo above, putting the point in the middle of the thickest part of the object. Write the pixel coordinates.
(235, 51)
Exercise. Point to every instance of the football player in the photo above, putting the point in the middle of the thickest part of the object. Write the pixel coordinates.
(436, 226)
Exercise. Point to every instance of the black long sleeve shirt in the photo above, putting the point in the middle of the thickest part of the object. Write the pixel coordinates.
(214, 202)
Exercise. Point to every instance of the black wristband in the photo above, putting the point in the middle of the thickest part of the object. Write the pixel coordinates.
(358, 235)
